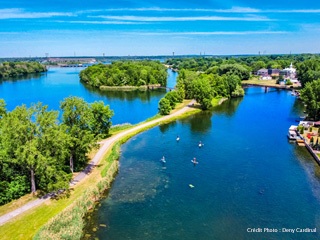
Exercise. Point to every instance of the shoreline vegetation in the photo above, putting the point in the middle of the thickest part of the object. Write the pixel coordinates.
(75, 216)
(40, 215)
(13, 69)
(129, 88)
(124, 74)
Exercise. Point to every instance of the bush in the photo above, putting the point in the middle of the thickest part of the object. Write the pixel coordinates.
(164, 106)
(238, 92)
(172, 97)
(289, 82)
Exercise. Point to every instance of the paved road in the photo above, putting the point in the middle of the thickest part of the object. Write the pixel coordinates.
(106, 144)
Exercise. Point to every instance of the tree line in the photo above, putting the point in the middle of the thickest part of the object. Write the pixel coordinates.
(125, 73)
(202, 87)
(12, 69)
(38, 152)
(252, 63)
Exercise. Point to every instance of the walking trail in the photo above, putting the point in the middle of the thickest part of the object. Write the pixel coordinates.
(106, 144)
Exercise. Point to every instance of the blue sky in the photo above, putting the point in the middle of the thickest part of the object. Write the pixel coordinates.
(94, 27)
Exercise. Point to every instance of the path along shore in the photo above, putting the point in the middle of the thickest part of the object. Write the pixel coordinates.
(99, 155)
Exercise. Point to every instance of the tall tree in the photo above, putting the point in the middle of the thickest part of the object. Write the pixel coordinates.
(101, 118)
(311, 96)
(77, 116)
(27, 140)
(202, 92)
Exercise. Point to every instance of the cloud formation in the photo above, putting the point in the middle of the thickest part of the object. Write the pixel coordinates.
(174, 19)
(206, 33)
(17, 13)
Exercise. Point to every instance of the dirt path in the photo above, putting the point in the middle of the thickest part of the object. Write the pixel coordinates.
(106, 144)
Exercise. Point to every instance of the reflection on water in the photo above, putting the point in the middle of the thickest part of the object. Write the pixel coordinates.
(58, 83)
(248, 175)
(228, 107)
(23, 77)
(144, 96)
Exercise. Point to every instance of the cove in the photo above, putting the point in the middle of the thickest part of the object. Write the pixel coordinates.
(248, 176)
(58, 83)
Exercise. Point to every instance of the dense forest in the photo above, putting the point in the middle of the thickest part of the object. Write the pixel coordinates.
(252, 63)
(39, 153)
(202, 87)
(12, 69)
(125, 73)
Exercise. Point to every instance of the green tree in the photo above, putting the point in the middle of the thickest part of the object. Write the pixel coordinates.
(238, 92)
(172, 97)
(76, 117)
(3, 109)
(258, 65)
(233, 81)
(31, 139)
(310, 94)
(164, 106)
(100, 122)
(202, 92)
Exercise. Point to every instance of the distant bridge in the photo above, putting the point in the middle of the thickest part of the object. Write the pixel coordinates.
(73, 65)
(248, 85)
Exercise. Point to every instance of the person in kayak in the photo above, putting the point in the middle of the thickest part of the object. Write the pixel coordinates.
(194, 161)
(163, 160)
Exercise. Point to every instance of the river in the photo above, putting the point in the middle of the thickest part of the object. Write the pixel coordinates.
(58, 83)
(248, 176)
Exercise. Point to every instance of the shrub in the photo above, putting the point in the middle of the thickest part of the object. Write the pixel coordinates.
(289, 82)
(164, 106)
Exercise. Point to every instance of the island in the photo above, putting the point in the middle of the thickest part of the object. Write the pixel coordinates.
(125, 75)
(13, 69)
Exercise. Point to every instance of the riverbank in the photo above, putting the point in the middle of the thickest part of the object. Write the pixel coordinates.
(36, 217)
(129, 88)
(269, 83)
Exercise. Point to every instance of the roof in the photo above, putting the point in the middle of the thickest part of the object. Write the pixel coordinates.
(293, 127)
(292, 132)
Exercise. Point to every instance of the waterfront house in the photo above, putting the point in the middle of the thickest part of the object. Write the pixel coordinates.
(262, 72)
(274, 72)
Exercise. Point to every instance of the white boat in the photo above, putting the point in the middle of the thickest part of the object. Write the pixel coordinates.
(292, 135)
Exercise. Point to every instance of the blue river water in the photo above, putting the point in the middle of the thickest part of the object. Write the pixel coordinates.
(249, 176)
(58, 83)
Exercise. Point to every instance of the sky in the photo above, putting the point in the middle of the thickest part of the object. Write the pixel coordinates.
(149, 27)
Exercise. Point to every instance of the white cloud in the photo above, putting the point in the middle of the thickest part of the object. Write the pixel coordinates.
(101, 22)
(206, 33)
(15, 13)
(230, 10)
(174, 19)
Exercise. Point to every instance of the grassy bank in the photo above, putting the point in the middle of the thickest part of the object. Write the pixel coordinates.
(69, 223)
(128, 88)
(55, 214)
(36, 217)
(271, 83)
